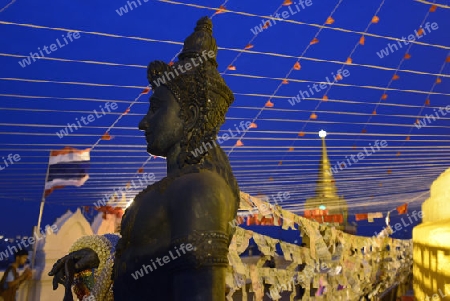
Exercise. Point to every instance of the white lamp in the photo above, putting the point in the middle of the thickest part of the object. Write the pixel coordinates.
(322, 134)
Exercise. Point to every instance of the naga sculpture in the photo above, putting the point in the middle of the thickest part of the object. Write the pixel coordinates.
(175, 235)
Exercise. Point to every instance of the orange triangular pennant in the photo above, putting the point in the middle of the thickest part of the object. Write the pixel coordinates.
(314, 41)
(349, 60)
(384, 96)
(269, 104)
(249, 46)
(420, 31)
(146, 90)
(362, 39)
(126, 111)
(407, 56)
(297, 66)
(438, 80)
(329, 21)
(291, 149)
(239, 143)
(106, 136)
(301, 134)
(220, 10)
(285, 82)
(361, 216)
(402, 209)
(447, 60)
(427, 102)
(338, 77)
(375, 19)
(313, 116)
(325, 98)
(252, 126)
(140, 170)
(374, 112)
(395, 77)
(232, 68)
(433, 8)
(287, 2)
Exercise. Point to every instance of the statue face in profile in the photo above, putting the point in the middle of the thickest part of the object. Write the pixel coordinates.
(162, 124)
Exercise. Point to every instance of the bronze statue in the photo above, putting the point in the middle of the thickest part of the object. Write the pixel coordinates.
(176, 233)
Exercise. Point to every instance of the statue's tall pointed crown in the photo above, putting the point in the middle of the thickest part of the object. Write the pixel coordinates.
(199, 41)
(199, 50)
(195, 81)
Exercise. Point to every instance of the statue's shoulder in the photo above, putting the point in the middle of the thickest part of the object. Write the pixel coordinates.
(201, 183)
(201, 179)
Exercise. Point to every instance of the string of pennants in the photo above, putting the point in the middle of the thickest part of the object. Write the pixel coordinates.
(337, 264)
(402, 209)
(263, 217)
(249, 203)
(322, 217)
(334, 264)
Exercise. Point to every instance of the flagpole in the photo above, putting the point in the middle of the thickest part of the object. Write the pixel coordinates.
(41, 210)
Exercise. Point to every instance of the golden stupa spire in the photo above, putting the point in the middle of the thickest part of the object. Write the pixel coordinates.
(326, 186)
(326, 197)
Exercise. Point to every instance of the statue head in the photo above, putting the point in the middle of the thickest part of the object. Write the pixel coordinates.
(189, 101)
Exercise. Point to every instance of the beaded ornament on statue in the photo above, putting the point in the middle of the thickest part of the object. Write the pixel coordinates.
(96, 282)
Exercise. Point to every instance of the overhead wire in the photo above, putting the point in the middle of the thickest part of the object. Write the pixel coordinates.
(430, 92)
(253, 132)
(302, 23)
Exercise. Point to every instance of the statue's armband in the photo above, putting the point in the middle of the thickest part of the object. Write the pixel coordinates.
(201, 249)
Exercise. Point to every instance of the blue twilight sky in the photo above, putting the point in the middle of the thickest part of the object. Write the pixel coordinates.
(107, 63)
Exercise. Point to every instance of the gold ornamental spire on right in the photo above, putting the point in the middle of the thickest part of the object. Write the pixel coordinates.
(326, 185)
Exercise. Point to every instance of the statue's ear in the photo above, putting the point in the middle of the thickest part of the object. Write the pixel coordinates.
(192, 116)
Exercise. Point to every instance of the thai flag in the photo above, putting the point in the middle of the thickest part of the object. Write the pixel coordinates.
(67, 167)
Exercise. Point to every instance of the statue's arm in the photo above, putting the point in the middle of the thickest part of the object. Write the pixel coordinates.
(86, 253)
(201, 218)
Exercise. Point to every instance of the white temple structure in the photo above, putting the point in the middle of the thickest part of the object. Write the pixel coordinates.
(431, 241)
